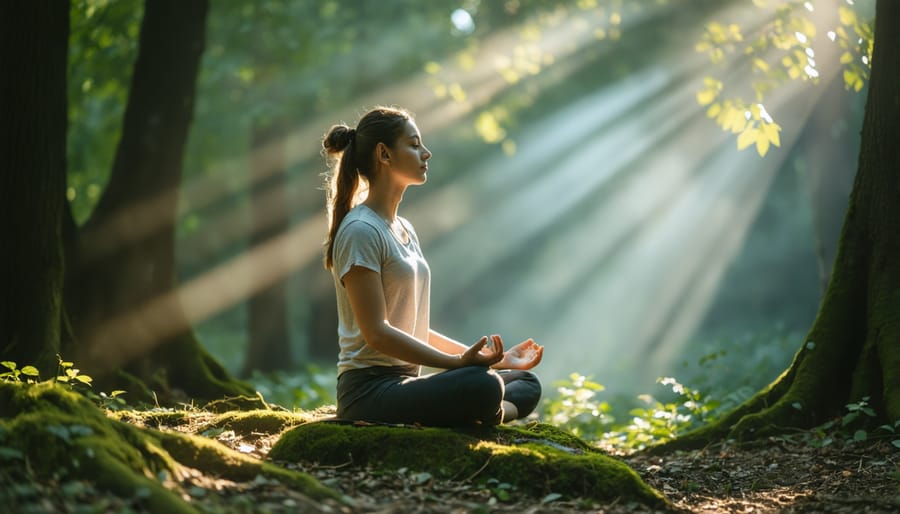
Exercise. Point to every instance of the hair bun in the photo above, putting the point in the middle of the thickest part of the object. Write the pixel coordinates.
(338, 138)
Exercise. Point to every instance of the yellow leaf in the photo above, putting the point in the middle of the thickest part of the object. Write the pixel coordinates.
(761, 65)
(755, 111)
(848, 17)
(762, 146)
(771, 132)
(706, 96)
(846, 57)
(850, 78)
(747, 137)
(714, 110)
(736, 121)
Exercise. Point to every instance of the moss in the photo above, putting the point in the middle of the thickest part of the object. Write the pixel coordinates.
(201, 453)
(62, 434)
(152, 418)
(260, 421)
(537, 459)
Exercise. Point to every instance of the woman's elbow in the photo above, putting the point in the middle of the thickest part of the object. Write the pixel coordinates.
(378, 338)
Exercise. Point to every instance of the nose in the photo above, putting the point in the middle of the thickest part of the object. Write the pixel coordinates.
(427, 154)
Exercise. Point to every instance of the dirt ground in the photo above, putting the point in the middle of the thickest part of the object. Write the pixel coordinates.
(775, 475)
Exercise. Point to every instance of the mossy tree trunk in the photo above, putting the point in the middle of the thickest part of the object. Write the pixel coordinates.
(853, 348)
(33, 51)
(121, 285)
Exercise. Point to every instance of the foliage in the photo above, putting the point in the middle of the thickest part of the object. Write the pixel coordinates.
(856, 426)
(66, 372)
(28, 374)
(102, 47)
(306, 390)
(778, 52)
(576, 407)
(723, 372)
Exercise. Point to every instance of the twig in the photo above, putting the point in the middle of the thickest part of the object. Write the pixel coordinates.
(475, 474)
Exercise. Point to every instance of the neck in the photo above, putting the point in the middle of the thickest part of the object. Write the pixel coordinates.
(384, 201)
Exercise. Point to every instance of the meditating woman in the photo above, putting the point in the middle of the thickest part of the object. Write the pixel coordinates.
(383, 288)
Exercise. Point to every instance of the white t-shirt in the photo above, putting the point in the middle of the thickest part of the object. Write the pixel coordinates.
(365, 239)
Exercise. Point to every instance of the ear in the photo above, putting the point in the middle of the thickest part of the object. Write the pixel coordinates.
(382, 153)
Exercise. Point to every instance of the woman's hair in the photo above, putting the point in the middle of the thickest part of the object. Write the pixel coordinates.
(354, 150)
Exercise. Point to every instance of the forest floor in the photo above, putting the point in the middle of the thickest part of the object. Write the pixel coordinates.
(776, 475)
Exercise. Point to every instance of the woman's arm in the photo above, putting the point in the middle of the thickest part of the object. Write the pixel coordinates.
(445, 344)
(367, 301)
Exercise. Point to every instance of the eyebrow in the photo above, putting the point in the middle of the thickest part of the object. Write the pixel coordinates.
(415, 136)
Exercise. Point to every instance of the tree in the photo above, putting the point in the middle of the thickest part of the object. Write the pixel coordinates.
(851, 351)
(122, 259)
(121, 288)
(33, 49)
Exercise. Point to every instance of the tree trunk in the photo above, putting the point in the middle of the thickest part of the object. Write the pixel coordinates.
(34, 38)
(853, 348)
(269, 347)
(122, 292)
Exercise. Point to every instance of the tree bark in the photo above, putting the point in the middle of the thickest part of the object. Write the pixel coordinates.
(852, 350)
(269, 342)
(122, 291)
(33, 52)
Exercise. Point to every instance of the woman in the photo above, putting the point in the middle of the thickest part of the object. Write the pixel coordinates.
(383, 285)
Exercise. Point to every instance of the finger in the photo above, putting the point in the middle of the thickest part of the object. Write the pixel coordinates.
(498, 343)
(540, 355)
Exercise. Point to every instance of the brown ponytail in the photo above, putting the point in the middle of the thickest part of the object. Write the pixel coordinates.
(354, 150)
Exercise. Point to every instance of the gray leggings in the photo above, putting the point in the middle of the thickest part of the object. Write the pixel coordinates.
(457, 397)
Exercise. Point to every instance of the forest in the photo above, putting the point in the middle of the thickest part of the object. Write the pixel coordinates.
(692, 205)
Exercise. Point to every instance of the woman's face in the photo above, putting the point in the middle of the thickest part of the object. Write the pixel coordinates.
(409, 157)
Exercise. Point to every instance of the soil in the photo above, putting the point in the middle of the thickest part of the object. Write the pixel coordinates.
(775, 475)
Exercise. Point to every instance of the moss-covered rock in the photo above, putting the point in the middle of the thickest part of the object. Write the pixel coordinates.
(260, 421)
(62, 434)
(538, 458)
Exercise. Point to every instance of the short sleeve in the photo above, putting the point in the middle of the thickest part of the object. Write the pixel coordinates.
(358, 244)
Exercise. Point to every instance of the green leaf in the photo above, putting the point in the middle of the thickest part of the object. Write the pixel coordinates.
(30, 371)
(551, 497)
(860, 435)
(84, 379)
(797, 405)
(896, 443)
(10, 453)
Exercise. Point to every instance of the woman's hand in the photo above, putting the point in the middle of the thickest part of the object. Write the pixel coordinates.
(524, 355)
(480, 354)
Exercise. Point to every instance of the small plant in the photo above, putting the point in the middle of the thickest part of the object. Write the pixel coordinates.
(852, 428)
(28, 374)
(111, 401)
(577, 409)
(307, 389)
(67, 372)
(659, 422)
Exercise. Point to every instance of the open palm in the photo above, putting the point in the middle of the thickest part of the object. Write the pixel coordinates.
(524, 355)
